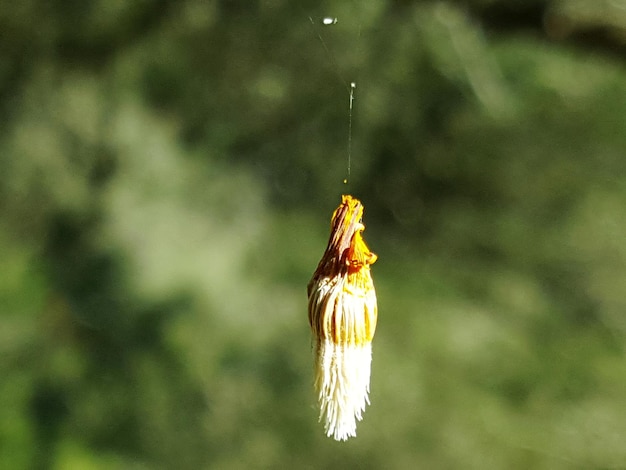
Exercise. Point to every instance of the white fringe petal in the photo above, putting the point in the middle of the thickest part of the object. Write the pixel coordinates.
(342, 381)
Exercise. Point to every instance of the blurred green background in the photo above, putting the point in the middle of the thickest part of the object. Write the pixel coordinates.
(168, 172)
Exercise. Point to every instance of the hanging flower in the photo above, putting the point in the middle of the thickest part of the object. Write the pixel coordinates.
(342, 315)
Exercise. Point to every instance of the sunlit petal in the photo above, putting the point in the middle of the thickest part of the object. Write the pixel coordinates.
(343, 315)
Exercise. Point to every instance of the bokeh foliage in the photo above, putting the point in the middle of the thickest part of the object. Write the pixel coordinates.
(168, 174)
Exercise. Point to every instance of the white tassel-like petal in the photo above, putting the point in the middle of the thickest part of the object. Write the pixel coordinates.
(342, 381)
